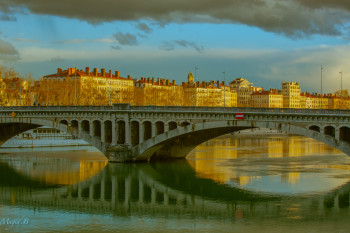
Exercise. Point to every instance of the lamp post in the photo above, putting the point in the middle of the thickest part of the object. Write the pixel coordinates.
(75, 86)
(20, 92)
(341, 89)
(321, 85)
(110, 100)
(195, 86)
(224, 89)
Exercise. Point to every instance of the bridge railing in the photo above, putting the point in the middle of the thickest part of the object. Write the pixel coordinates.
(151, 108)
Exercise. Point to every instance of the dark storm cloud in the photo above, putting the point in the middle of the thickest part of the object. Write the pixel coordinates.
(125, 38)
(8, 52)
(295, 18)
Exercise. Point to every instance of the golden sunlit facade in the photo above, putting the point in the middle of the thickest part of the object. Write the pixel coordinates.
(85, 87)
(267, 99)
(92, 88)
(243, 89)
(162, 92)
(291, 94)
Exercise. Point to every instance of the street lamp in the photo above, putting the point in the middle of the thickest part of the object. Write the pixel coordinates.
(224, 89)
(195, 86)
(20, 92)
(321, 85)
(75, 87)
(341, 89)
(110, 98)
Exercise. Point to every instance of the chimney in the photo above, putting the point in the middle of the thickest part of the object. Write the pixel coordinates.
(218, 83)
(153, 80)
(69, 71)
(103, 72)
(117, 74)
(167, 82)
(223, 82)
(95, 72)
(110, 73)
(148, 80)
(59, 71)
(87, 71)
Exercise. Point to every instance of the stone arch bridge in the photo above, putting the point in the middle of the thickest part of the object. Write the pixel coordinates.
(127, 133)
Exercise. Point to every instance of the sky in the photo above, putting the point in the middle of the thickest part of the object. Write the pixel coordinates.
(265, 41)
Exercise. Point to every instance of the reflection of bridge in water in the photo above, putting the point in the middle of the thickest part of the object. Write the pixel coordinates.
(169, 189)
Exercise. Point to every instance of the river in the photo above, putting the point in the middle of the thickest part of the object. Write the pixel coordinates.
(234, 183)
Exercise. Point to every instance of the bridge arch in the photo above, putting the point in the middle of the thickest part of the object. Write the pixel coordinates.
(184, 123)
(121, 131)
(177, 143)
(85, 126)
(108, 131)
(11, 128)
(172, 125)
(329, 130)
(96, 125)
(65, 122)
(135, 132)
(344, 134)
(316, 128)
(147, 130)
(159, 127)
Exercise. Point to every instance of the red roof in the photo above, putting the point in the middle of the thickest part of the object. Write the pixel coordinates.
(82, 73)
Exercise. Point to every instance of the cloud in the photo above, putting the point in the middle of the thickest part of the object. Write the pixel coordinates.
(25, 40)
(6, 17)
(185, 43)
(170, 45)
(83, 41)
(57, 59)
(116, 47)
(144, 27)
(8, 53)
(294, 18)
(125, 38)
(167, 46)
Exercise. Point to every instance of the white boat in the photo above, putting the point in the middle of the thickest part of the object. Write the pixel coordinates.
(43, 137)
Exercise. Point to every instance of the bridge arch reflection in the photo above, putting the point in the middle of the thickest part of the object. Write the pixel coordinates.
(164, 188)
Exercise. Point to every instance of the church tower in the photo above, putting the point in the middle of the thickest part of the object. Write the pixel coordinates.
(190, 78)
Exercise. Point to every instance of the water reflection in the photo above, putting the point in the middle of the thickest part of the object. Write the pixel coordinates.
(169, 188)
(210, 191)
(52, 168)
(278, 164)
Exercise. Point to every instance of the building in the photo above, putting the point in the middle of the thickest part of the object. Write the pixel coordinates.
(333, 101)
(162, 92)
(92, 88)
(291, 94)
(244, 89)
(305, 100)
(267, 99)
